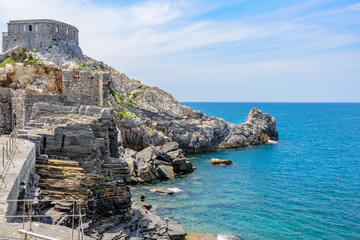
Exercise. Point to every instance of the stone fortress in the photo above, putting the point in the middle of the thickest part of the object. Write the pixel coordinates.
(37, 33)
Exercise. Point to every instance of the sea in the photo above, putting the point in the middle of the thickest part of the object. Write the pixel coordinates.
(306, 185)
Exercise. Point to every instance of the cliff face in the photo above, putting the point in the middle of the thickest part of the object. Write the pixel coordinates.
(193, 130)
(60, 102)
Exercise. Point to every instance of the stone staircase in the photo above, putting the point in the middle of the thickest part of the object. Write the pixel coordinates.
(61, 179)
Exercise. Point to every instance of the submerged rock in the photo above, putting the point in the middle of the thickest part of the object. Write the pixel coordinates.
(164, 190)
(216, 161)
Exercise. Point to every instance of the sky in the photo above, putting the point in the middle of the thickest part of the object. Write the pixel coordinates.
(218, 51)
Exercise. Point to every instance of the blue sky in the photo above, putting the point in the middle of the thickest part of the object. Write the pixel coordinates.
(246, 50)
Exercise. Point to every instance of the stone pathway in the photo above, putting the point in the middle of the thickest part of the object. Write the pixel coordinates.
(10, 231)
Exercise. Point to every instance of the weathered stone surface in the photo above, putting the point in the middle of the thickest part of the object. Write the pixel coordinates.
(216, 161)
(176, 231)
(152, 163)
(192, 130)
(182, 165)
(146, 172)
(165, 172)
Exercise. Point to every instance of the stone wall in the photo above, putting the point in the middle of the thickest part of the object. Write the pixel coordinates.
(37, 33)
(18, 177)
(5, 111)
(85, 88)
(18, 107)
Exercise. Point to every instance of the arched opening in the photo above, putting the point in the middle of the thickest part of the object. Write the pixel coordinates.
(57, 29)
(24, 28)
(36, 28)
(30, 28)
(67, 31)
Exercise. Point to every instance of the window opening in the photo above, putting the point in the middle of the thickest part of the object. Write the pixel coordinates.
(24, 28)
(36, 28)
(67, 31)
(57, 29)
(30, 28)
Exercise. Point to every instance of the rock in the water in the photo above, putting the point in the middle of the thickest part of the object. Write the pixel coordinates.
(148, 206)
(182, 165)
(216, 161)
(164, 190)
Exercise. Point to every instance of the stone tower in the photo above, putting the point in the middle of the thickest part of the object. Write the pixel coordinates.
(37, 33)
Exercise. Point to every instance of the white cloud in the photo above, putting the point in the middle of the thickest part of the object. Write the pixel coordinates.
(355, 6)
(163, 41)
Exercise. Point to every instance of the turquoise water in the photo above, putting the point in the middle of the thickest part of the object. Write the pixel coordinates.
(288, 190)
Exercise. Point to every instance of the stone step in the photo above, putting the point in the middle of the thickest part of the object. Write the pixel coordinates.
(64, 163)
(59, 168)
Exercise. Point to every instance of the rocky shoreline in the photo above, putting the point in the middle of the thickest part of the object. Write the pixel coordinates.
(88, 150)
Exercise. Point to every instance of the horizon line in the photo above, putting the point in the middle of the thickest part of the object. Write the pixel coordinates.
(257, 102)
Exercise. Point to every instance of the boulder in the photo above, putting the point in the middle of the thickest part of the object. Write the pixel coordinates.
(164, 190)
(176, 231)
(165, 172)
(170, 146)
(147, 206)
(182, 165)
(216, 161)
(131, 163)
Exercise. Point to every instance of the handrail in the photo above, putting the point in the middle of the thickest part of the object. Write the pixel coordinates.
(30, 216)
(8, 152)
(32, 234)
(137, 231)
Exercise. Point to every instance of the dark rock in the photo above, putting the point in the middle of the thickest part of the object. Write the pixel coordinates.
(148, 206)
(176, 231)
(182, 165)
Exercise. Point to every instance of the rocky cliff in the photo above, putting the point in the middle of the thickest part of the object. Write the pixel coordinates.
(193, 130)
(88, 150)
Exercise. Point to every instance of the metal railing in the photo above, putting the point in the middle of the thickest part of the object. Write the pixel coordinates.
(8, 151)
(30, 216)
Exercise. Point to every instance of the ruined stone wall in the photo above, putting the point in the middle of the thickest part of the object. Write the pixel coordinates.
(31, 99)
(85, 88)
(18, 107)
(5, 111)
(37, 33)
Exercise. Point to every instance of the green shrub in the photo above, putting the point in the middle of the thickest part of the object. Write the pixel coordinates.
(19, 55)
(7, 61)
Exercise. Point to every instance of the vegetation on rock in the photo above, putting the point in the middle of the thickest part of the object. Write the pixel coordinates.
(123, 104)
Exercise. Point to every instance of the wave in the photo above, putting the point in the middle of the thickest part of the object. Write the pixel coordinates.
(272, 142)
(174, 189)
